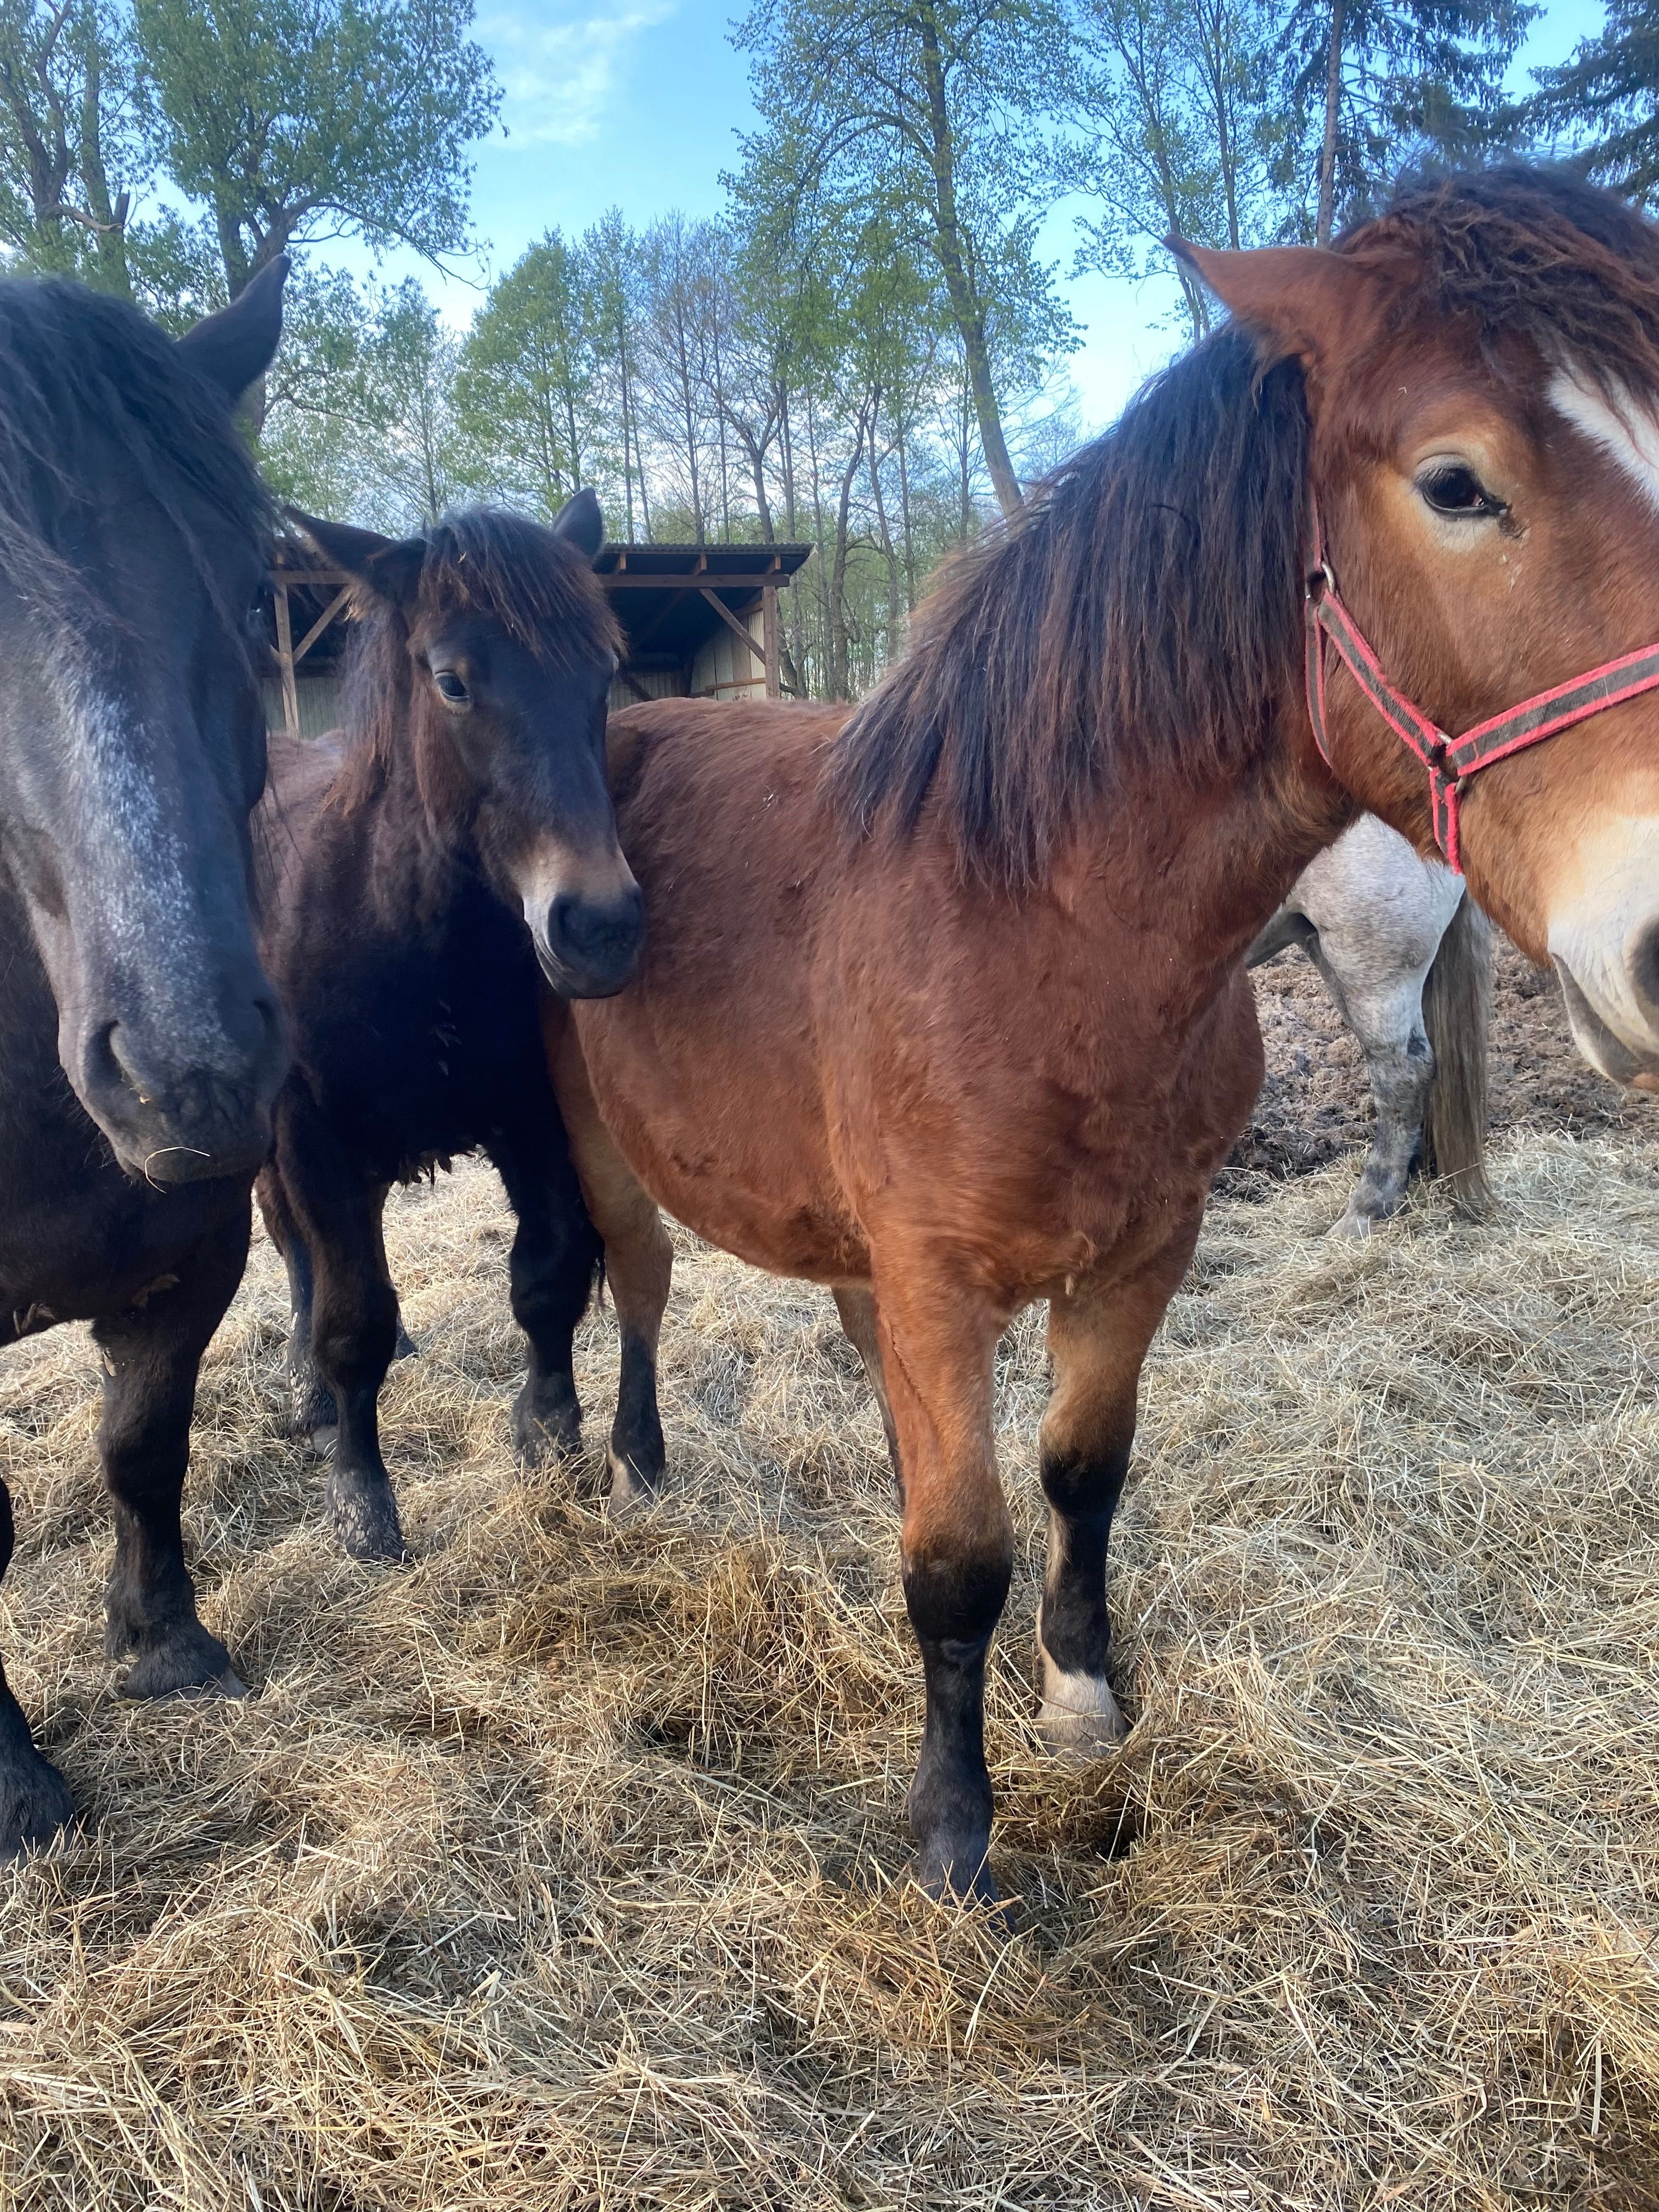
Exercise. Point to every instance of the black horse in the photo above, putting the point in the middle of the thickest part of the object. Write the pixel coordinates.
(464, 835)
(141, 1045)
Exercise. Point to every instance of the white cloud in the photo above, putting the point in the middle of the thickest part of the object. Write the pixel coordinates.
(558, 67)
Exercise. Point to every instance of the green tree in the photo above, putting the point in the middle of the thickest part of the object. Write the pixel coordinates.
(528, 387)
(1171, 99)
(934, 107)
(1606, 98)
(295, 121)
(1369, 82)
(70, 151)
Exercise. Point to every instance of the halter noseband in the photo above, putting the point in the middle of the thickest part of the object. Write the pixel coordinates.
(1449, 761)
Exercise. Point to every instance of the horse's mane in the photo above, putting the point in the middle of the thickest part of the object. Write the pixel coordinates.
(539, 587)
(77, 367)
(1144, 608)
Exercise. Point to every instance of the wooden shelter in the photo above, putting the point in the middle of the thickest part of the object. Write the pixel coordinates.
(700, 621)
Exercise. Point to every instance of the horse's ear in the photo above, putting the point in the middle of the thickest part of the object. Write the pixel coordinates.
(580, 521)
(235, 347)
(1314, 302)
(390, 566)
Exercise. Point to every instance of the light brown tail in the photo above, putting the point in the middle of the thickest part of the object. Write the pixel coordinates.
(1456, 1011)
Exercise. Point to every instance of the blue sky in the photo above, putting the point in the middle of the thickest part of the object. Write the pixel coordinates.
(640, 104)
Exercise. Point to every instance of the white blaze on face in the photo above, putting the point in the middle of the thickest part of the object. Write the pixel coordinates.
(1624, 428)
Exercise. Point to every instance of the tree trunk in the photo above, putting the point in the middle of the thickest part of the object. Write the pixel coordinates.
(1328, 151)
(891, 557)
(966, 309)
(840, 642)
(904, 521)
(818, 526)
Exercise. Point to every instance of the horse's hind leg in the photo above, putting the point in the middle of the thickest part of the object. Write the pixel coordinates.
(1097, 1339)
(556, 1257)
(354, 1320)
(34, 1798)
(1386, 1016)
(857, 1308)
(150, 1356)
(311, 1406)
(639, 1264)
(957, 1551)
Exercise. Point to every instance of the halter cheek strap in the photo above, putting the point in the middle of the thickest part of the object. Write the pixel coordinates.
(1451, 762)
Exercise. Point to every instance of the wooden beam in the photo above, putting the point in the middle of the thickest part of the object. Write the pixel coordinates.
(738, 628)
(290, 576)
(322, 621)
(635, 685)
(285, 661)
(770, 653)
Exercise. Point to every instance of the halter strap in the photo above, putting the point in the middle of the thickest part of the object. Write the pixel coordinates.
(1449, 762)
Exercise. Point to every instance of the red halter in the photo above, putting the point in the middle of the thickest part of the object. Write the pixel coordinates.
(1450, 760)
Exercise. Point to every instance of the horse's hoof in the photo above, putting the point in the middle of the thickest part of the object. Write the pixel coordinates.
(630, 1493)
(366, 1525)
(550, 1439)
(1080, 1719)
(35, 1804)
(188, 1663)
(939, 1873)
(322, 1441)
(1355, 1225)
(405, 1348)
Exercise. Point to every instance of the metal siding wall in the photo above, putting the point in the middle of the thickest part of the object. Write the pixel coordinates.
(714, 672)
(322, 700)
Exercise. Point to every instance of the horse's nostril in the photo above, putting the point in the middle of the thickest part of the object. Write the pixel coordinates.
(588, 930)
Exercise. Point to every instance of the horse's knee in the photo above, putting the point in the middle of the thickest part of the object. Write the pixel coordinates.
(355, 1330)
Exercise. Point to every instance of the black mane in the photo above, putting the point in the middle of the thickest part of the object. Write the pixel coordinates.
(1145, 605)
(78, 368)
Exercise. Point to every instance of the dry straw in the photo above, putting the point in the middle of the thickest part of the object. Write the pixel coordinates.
(561, 1869)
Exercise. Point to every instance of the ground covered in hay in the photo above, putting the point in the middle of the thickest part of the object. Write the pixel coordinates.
(563, 1868)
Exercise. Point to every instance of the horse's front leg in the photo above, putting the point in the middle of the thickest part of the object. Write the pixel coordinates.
(150, 1357)
(555, 1260)
(937, 1337)
(354, 1320)
(1097, 1339)
(639, 1262)
(34, 1798)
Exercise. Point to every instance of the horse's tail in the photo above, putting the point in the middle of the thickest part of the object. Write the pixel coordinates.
(1457, 1008)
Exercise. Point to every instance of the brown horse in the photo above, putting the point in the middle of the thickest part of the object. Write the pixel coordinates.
(942, 1004)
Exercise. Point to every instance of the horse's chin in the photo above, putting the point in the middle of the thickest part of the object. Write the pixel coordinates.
(570, 982)
(1604, 1048)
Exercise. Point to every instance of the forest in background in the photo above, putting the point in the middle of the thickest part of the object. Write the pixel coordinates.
(865, 352)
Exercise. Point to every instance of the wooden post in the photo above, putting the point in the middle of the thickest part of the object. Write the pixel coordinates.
(285, 658)
(769, 641)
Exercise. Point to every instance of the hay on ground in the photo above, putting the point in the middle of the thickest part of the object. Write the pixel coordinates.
(562, 1868)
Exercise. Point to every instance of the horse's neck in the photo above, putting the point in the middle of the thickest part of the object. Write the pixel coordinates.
(1202, 869)
(413, 868)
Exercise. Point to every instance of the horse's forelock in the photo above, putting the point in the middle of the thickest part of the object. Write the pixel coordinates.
(78, 368)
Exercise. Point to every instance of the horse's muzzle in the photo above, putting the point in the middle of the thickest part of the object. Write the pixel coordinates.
(589, 948)
(170, 1122)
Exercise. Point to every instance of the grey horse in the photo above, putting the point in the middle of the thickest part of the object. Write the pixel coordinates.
(1407, 959)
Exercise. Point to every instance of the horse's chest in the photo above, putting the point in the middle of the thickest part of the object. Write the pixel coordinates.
(415, 1056)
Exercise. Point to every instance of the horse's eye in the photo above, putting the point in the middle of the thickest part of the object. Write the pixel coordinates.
(1452, 489)
(450, 685)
